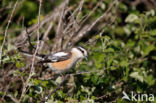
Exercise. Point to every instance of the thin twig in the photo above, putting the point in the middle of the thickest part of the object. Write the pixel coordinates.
(29, 40)
(81, 21)
(13, 98)
(38, 37)
(45, 36)
(47, 97)
(65, 78)
(80, 9)
(6, 30)
(86, 17)
(59, 34)
(52, 16)
(81, 34)
(73, 20)
(34, 55)
(6, 90)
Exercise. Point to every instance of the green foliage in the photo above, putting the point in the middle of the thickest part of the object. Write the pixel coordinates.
(123, 58)
(28, 7)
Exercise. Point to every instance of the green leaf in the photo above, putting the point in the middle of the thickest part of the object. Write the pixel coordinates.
(61, 94)
(59, 80)
(148, 49)
(150, 13)
(136, 76)
(152, 32)
(94, 79)
(150, 80)
(113, 68)
(18, 65)
(131, 18)
(130, 43)
(124, 63)
(109, 50)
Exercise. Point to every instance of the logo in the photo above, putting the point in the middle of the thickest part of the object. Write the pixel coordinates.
(137, 97)
(125, 96)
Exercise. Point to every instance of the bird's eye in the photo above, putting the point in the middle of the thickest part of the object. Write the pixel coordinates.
(81, 50)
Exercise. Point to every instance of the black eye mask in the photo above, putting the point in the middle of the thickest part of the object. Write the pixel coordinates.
(81, 50)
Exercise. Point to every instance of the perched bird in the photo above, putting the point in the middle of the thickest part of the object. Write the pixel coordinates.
(62, 61)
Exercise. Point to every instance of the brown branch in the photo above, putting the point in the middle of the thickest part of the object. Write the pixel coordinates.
(45, 37)
(51, 17)
(6, 90)
(34, 55)
(13, 98)
(82, 33)
(80, 9)
(86, 17)
(59, 35)
(6, 30)
(47, 97)
(66, 77)
(73, 24)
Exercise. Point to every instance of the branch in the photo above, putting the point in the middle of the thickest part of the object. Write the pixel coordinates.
(45, 36)
(52, 16)
(82, 33)
(6, 30)
(59, 35)
(13, 98)
(47, 97)
(34, 55)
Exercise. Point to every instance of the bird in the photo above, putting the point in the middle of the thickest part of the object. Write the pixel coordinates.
(62, 61)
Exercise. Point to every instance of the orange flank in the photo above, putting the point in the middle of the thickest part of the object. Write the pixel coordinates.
(62, 65)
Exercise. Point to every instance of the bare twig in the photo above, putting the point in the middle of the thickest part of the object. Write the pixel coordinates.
(86, 17)
(38, 37)
(80, 9)
(29, 40)
(84, 32)
(47, 97)
(81, 21)
(6, 90)
(51, 17)
(6, 30)
(59, 34)
(34, 55)
(45, 36)
(13, 98)
(73, 20)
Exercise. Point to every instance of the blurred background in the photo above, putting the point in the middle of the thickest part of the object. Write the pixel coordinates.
(119, 35)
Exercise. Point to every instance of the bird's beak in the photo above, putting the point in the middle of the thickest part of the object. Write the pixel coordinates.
(86, 58)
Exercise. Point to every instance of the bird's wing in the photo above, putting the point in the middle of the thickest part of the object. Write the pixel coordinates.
(57, 57)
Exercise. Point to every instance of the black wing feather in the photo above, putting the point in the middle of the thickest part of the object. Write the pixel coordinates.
(51, 58)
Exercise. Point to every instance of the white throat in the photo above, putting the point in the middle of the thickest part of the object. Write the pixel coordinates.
(77, 53)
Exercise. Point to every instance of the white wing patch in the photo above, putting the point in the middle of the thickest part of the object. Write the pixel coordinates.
(59, 54)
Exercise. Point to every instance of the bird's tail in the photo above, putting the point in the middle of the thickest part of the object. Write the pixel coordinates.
(37, 56)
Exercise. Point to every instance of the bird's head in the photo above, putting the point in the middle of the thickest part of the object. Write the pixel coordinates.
(80, 52)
